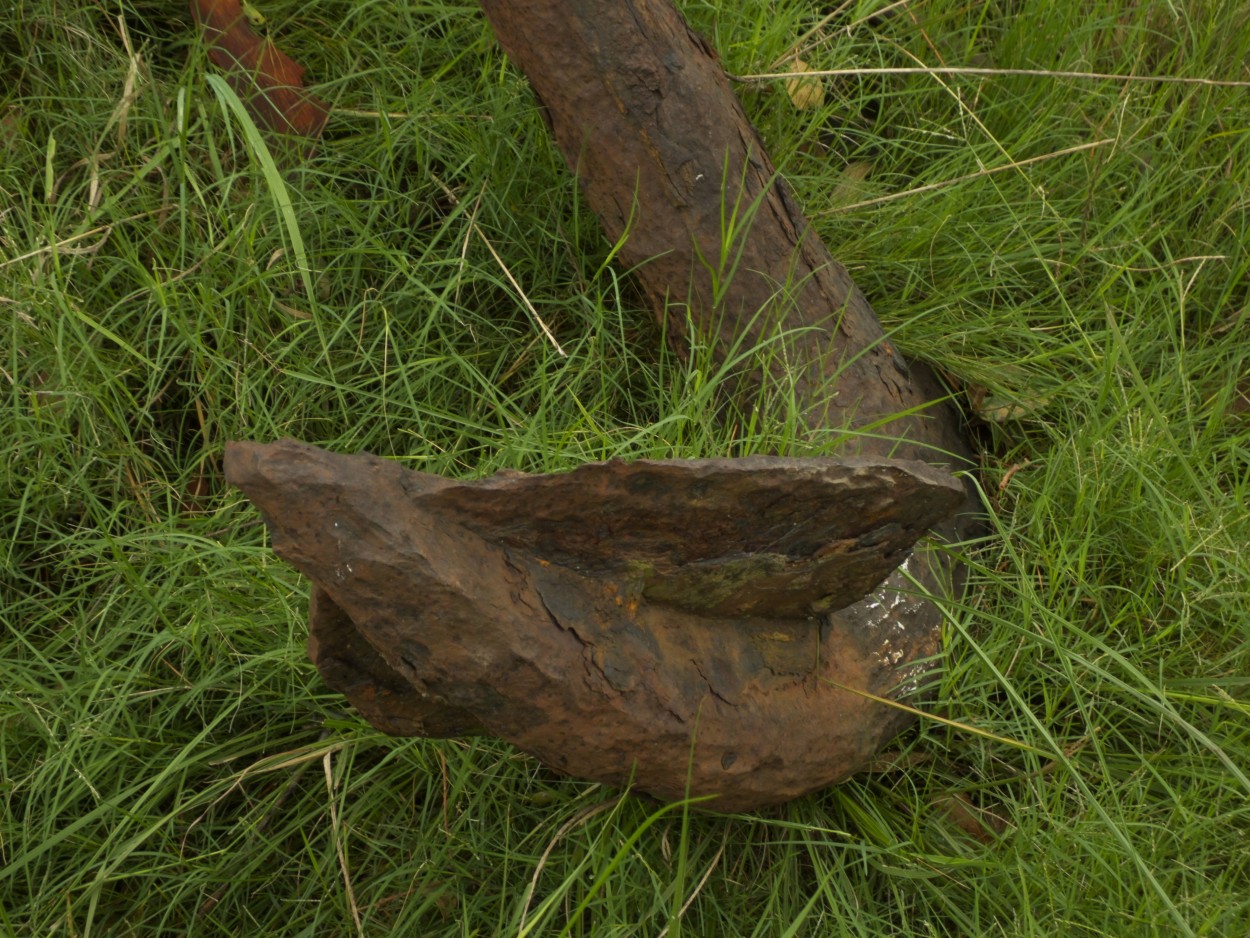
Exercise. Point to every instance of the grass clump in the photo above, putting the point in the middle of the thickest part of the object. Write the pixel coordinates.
(170, 762)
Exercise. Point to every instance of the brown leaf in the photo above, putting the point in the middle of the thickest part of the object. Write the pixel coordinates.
(850, 187)
(805, 91)
(10, 128)
(294, 311)
(896, 760)
(1000, 410)
(1241, 402)
(199, 491)
(268, 81)
(979, 824)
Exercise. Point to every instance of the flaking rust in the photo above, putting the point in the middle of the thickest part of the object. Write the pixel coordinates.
(560, 613)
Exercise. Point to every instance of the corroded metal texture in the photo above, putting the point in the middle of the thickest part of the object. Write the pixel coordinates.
(556, 611)
(646, 117)
(648, 623)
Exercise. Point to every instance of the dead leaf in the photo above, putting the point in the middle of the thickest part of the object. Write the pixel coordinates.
(999, 411)
(10, 128)
(1241, 402)
(896, 761)
(293, 311)
(268, 81)
(979, 824)
(850, 187)
(805, 91)
(196, 497)
(1006, 479)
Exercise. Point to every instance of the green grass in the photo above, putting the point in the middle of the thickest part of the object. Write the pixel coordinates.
(170, 762)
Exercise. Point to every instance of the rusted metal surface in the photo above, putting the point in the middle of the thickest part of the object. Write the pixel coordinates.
(637, 623)
(448, 607)
(645, 116)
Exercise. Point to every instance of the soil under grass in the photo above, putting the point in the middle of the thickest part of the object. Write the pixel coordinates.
(170, 763)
